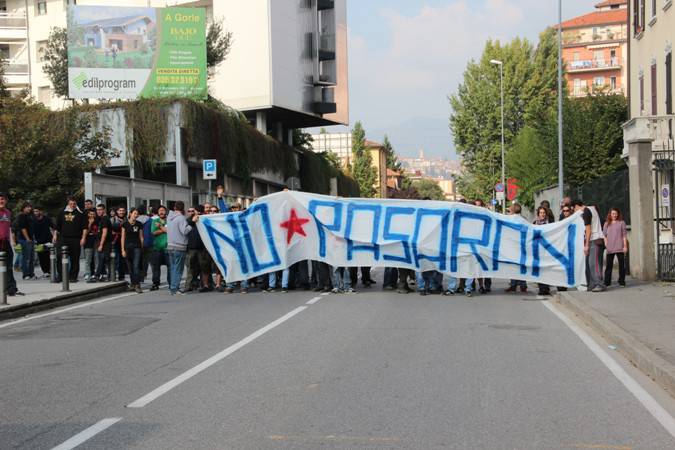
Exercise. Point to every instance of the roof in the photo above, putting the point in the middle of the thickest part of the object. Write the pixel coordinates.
(597, 18)
(608, 3)
(372, 144)
(117, 21)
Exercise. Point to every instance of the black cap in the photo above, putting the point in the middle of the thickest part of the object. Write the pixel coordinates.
(4, 194)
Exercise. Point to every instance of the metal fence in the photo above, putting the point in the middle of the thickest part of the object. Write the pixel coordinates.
(609, 191)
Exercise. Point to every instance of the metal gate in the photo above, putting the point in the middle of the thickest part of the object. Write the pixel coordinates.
(663, 161)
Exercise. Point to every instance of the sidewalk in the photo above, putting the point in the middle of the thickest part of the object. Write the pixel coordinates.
(638, 320)
(41, 294)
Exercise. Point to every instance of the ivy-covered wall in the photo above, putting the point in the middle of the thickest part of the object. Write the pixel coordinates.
(213, 131)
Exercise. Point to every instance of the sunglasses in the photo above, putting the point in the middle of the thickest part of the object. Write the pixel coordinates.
(566, 210)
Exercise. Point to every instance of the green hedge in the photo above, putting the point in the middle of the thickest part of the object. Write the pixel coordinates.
(214, 131)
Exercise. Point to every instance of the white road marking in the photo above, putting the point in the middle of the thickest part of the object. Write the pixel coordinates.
(166, 387)
(326, 293)
(59, 311)
(633, 386)
(87, 434)
(314, 300)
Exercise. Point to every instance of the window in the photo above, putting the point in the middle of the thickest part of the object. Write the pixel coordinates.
(642, 93)
(577, 87)
(612, 58)
(638, 16)
(41, 7)
(45, 95)
(612, 83)
(669, 83)
(4, 51)
(653, 83)
(576, 56)
(599, 57)
(599, 81)
(653, 8)
(67, 3)
(41, 47)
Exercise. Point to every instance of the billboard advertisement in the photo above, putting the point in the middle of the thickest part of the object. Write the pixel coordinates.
(128, 52)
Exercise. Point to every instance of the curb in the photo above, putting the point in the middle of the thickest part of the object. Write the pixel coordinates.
(641, 356)
(68, 298)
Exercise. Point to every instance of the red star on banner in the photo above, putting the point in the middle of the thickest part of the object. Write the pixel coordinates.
(294, 225)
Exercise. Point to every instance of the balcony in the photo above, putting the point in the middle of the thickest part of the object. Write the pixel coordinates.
(13, 26)
(323, 5)
(16, 72)
(593, 65)
(326, 47)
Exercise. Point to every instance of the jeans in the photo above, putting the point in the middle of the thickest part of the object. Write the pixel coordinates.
(610, 266)
(102, 259)
(341, 279)
(27, 258)
(243, 285)
(134, 255)
(594, 264)
(159, 259)
(453, 282)
(272, 279)
(424, 280)
(73, 244)
(177, 265)
(515, 283)
(89, 257)
(322, 272)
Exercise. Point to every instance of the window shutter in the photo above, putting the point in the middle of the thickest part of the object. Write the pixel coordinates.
(669, 83)
(653, 83)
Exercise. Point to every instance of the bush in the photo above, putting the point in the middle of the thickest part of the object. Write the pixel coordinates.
(129, 63)
(90, 58)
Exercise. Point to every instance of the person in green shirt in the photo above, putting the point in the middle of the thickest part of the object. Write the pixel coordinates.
(159, 244)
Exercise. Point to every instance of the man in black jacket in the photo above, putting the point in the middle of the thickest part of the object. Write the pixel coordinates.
(71, 230)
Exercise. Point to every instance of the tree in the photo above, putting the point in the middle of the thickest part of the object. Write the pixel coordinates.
(3, 87)
(392, 160)
(218, 43)
(45, 162)
(428, 188)
(333, 159)
(476, 116)
(362, 169)
(56, 60)
(302, 140)
(532, 163)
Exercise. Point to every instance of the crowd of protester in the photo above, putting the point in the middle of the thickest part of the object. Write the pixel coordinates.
(115, 244)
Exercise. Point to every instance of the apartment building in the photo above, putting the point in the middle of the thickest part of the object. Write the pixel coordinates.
(287, 67)
(649, 148)
(595, 49)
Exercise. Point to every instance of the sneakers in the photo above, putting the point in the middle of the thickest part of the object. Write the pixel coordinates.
(482, 290)
(138, 289)
(204, 289)
(284, 290)
(103, 279)
(335, 291)
(29, 277)
(510, 289)
(449, 292)
(154, 287)
(228, 290)
(423, 293)
(270, 290)
(598, 289)
(468, 293)
(350, 291)
(243, 291)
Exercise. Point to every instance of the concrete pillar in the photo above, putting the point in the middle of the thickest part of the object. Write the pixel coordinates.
(643, 242)
(181, 163)
(261, 121)
(280, 132)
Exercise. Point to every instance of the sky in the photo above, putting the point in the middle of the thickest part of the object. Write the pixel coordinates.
(407, 56)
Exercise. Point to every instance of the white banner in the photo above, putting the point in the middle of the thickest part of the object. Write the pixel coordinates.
(462, 240)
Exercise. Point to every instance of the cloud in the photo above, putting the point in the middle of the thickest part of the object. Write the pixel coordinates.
(403, 63)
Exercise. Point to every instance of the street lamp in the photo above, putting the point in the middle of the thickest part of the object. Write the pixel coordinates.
(501, 88)
(560, 106)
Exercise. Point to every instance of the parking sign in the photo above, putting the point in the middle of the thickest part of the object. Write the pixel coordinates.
(209, 169)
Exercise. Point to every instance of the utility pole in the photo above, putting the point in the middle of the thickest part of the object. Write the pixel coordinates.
(560, 106)
(501, 89)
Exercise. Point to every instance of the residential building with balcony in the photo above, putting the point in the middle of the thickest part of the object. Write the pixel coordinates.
(14, 44)
(286, 69)
(649, 146)
(595, 49)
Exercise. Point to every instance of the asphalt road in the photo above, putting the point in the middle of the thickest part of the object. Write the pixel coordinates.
(369, 370)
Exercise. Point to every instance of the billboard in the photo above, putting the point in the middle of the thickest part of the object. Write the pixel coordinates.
(127, 52)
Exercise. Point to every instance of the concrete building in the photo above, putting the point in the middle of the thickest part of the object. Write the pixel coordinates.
(379, 156)
(649, 147)
(595, 49)
(287, 67)
(338, 143)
